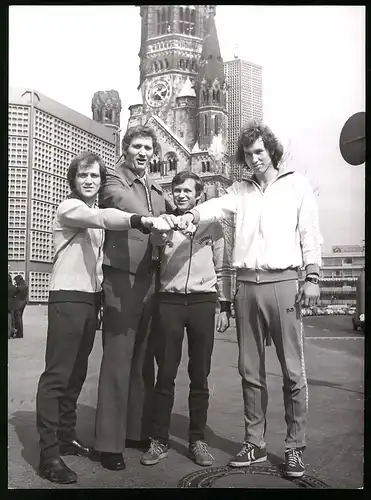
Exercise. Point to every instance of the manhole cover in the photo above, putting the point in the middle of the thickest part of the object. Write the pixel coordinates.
(246, 477)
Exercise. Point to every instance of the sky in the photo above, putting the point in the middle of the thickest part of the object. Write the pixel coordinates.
(313, 60)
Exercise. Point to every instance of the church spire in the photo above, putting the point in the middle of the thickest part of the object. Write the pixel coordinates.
(211, 62)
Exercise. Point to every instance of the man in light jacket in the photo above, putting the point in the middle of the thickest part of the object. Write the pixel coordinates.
(74, 301)
(277, 232)
(195, 275)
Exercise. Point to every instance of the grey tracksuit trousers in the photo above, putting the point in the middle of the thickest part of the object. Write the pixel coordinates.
(263, 308)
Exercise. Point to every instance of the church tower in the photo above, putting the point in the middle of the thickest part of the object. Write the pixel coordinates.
(211, 90)
(171, 46)
(183, 96)
(106, 108)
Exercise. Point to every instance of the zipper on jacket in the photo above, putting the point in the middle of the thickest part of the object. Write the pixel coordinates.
(279, 176)
(189, 266)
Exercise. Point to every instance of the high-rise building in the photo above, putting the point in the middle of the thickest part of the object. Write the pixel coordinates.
(43, 137)
(244, 102)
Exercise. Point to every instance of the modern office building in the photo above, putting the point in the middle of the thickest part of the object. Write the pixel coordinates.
(43, 137)
(339, 274)
(244, 102)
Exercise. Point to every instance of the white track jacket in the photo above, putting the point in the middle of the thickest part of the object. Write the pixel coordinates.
(277, 229)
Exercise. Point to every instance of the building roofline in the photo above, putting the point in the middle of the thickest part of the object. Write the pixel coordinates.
(18, 96)
(244, 60)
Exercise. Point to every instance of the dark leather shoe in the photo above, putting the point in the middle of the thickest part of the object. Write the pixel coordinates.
(95, 455)
(112, 461)
(140, 445)
(74, 447)
(56, 471)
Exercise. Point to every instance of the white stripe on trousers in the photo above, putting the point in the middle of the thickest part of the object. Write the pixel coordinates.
(302, 360)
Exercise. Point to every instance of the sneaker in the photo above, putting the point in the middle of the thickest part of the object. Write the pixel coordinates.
(250, 454)
(294, 465)
(200, 454)
(156, 452)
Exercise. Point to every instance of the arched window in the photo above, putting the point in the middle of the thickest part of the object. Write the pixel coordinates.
(158, 22)
(160, 65)
(205, 125)
(163, 21)
(216, 124)
(207, 166)
(172, 162)
(203, 167)
(181, 20)
(166, 64)
(205, 95)
(155, 67)
(181, 64)
(187, 21)
(108, 115)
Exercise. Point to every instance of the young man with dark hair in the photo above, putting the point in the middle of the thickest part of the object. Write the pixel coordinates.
(277, 232)
(195, 274)
(74, 300)
(130, 263)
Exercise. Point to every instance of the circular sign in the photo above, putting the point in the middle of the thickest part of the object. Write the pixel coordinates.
(353, 139)
(255, 476)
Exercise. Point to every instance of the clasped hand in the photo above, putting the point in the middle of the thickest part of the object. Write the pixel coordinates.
(169, 222)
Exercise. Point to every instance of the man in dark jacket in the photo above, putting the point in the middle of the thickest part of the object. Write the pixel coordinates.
(129, 268)
(11, 294)
(20, 302)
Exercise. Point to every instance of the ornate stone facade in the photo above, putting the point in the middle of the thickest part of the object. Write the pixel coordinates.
(182, 86)
(106, 108)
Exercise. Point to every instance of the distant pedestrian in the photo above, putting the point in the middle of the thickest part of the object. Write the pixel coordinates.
(20, 302)
(11, 294)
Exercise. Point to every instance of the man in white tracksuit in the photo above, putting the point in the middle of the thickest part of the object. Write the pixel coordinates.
(277, 233)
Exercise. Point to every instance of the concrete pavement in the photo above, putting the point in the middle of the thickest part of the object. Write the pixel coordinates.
(335, 427)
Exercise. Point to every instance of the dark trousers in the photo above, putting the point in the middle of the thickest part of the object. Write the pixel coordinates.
(10, 323)
(126, 379)
(18, 322)
(198, 320)
(70, 339)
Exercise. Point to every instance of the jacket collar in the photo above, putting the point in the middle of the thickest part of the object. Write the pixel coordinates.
(282, 172)
(131, 177)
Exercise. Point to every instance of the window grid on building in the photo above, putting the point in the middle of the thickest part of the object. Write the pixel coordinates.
(38, 286)
(16, 244)
(43, 156)
(17, 151)
(41, 246)
(17, 182)
(17, 213)
(41, 215)
(41, 186)
(18, 120)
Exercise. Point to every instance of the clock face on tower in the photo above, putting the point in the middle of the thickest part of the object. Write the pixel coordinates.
(158, 92)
